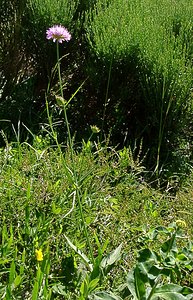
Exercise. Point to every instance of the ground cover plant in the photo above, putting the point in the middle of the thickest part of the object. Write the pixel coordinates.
(78, 218)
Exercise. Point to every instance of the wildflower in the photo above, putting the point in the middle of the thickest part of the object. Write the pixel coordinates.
(58, 33)
(39, 255)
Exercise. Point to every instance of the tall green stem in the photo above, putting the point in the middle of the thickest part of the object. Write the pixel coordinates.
(64, 106)
(106, 96)
(161, 129)
(75, 177)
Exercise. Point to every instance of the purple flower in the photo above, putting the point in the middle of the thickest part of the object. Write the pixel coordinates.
(58, 33)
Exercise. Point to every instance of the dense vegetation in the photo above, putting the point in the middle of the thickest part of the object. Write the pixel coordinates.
(96, 150)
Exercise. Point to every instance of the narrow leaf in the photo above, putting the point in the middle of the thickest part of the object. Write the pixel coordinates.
(35, 291)
(82, 255)
(93, 284)
(140, 281)
(17, 281)
(12, 273)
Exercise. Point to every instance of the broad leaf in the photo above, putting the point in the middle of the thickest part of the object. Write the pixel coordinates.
(93, 284)
(130, 281)
(172, 292)
(169, 245)
(140, 280)
(147, 255)
(104, 296)
(136, 283)
(156, 271)
(111, 258)
(59, 289)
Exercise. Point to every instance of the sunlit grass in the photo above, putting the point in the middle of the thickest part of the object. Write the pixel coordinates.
(38, 211)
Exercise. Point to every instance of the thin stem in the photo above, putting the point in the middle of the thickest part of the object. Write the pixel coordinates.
(161, 130)
(154, 287)
(106, 96)
(64, 107)
(54, 135)
(75, 177)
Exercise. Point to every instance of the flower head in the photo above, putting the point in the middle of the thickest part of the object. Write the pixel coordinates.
(39, 255)
(181, 223)
(58, 33)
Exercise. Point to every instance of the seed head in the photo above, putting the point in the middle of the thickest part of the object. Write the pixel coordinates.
(94, 129)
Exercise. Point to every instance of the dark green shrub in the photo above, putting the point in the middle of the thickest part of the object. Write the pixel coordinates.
(150, 47)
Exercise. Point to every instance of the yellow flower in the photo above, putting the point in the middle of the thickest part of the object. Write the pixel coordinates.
(39, 255)
(181, 223)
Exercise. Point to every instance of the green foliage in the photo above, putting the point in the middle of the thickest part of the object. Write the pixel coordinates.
(42, 14)
(39, 211)
(150, 47)
(15, 84)
(158, 274)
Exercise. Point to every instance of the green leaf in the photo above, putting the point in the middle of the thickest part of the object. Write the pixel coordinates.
(155, 271)
(59, 289)
(82, 255)
(111, 258)
(169, 245)
(130, 282)
(55, 210)
(147, 255)
(84, 288)
(105, 296)
(12, 273)
(8, 293)
(17, 281)
(140, 281)
(136, 283)
(182, 257)
(35, 291)
(172, 292)
(93, 284)
(97, 261)
(96, 268)
(168, 296)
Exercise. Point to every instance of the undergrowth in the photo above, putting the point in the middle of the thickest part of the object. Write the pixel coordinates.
(38, 211)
